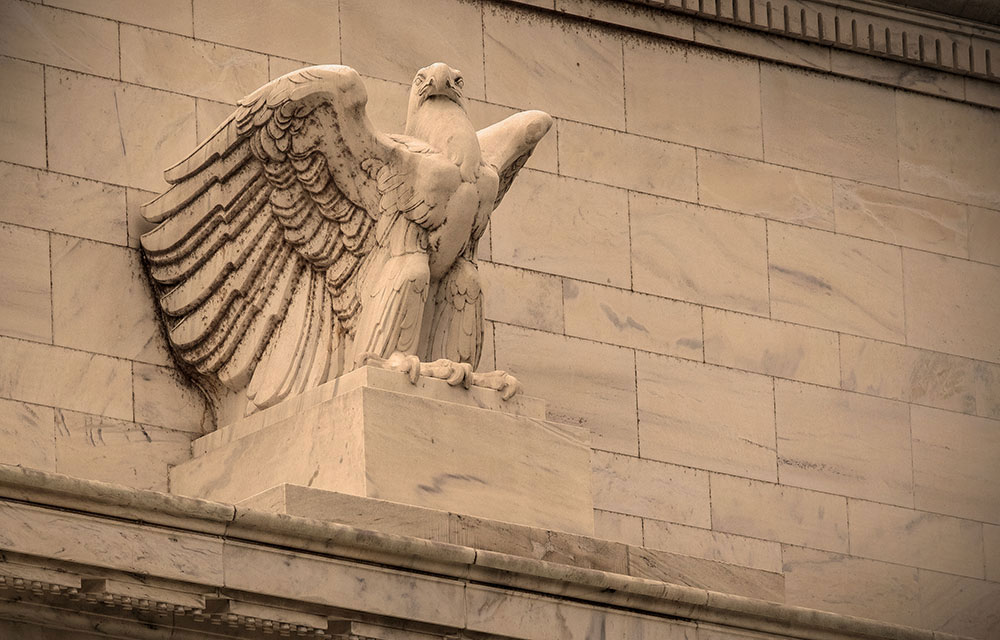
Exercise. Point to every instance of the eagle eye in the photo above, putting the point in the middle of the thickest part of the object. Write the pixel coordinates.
(418, 79)
(459, 82)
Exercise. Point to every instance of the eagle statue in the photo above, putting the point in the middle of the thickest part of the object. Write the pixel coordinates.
(298, 243)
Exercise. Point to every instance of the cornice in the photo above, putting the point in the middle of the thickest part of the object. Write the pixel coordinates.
(889, 44)
(94, 579)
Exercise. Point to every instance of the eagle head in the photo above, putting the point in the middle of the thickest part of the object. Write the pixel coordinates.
(436, 82)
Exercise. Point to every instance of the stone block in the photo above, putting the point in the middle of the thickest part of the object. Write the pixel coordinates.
(568, 61)
(167, 15)
(948, 149)
(195, 68)
(960, 606)
(835, 282)
(954, 464)
(707, 417)
(952, 305)
(696, 87)
(797, 53)
(864, 66)
(541, 207)
(409, 448)
(647, 19)
(54, 376)
(627, 161)
(851, 586)
(622, 528)
(386, 106)
(650, 489)
(25, 295)
(991, 545)
(901, 218)
(774, 348)
(59, 38)
(916, 538)
(520, 297)
(982, 92)
(339, 583)
(713, 545)
(984, 235)
(101, 301)
(701, 255)
(526, 616)
(63, 204)
(164, 397)
(315, 23)
(843, 443)
(765, 190)
(829, 125)
(124, 546)
(586, 384)
(109, 450)
(631, 319)
(131, 133)
(923, 377)
(27, 435)
(22, 103)
(656, 564)
(208, 116)
(366, 27)
(780, 513)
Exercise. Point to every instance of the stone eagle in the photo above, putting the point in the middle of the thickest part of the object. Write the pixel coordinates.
(298, 243)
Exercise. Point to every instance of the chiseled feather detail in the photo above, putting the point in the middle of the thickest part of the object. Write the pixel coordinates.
(458, 315)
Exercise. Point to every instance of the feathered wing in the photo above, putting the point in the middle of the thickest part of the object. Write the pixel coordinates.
(508, 144)
(265, 227)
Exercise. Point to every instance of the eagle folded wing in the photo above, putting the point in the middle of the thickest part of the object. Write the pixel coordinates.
(265, 227)
(508, 144)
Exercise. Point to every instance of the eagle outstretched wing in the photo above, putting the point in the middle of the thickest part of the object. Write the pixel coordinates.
(265, 227)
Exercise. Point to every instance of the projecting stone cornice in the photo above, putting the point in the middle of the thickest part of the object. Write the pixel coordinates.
(865, 39)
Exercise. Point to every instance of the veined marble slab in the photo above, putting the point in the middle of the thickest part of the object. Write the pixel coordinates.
(407, 446)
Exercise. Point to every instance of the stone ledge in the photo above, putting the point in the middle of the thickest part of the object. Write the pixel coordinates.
(283, 541)
(944, 57)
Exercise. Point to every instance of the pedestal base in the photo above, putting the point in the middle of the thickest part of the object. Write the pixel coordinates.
(373, 434)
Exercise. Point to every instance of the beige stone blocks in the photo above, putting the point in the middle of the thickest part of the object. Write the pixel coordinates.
(713, 545)
(59, 38)
(835, 282)
(837, 127)
(196, 68)
(674, 568)
(955, 464)
(100, 448)
(166, 15)
(22, 112)
(674, 93)
(843, 443)
(367, 27)
(541, 206)
(701, 255)
(765, 190)
(901, 218)
(707, 417)
(268, 28)
(770, 347)
(54, 376)
(958, 605)
(780, 513)
(89, 282)
(919, 376)
(951, 305)
(991, 545)
(631, 319)
(25, 301)
(936, 143)
(586, 384)
(984, 235)
(164, 397)
(130, 133)
(619, 527)
(852, 586)
(63, 204)
(27, 436)
(651, 489)
(569, 70)
(628, 161)
(524, 298)
(916, 538)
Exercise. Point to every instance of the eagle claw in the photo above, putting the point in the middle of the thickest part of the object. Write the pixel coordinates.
(454, 373)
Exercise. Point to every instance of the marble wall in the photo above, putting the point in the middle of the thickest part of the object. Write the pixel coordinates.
(772, 294)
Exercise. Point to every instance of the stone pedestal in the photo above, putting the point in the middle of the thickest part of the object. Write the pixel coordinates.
(373, 434)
